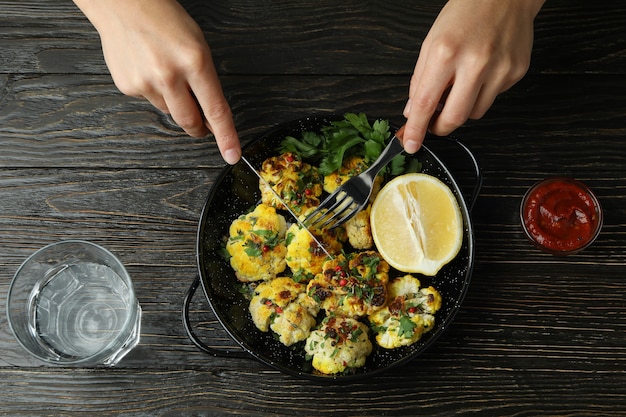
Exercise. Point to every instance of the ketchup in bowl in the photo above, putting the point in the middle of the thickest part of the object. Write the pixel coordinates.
(561, 215)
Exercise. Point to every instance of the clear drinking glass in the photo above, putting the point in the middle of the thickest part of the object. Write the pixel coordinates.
(73, 303)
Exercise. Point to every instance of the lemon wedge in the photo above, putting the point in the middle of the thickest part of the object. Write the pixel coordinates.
(417, 224)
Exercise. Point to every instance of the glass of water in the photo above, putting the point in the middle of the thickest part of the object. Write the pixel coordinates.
(73, 303)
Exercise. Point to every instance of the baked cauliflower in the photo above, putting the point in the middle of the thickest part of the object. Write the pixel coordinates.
(298, 183)
(339, 344)
(359, 230)
(358, 227)
(408, 315)
(256, 244)
(351, 285)
(350, 167)
(305, 257)
(282, 306)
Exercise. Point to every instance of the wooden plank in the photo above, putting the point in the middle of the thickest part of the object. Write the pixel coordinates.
(319, 37)
(54, 120)
(571, 122)
(508, 390)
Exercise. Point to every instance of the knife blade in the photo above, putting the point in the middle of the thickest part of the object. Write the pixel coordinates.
(279, 198)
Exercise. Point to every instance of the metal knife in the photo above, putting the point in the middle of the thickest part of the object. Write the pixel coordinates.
(279, 198)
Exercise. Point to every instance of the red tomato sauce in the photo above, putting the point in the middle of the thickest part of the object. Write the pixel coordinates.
(561, 215)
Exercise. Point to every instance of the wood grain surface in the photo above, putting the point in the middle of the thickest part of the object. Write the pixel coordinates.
(537, 335)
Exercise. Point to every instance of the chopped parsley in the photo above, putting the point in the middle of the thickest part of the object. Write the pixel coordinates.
(270, 237)
(253, 249)
(302, 276)
(406, 328)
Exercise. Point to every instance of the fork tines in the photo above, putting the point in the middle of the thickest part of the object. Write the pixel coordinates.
(336, 209)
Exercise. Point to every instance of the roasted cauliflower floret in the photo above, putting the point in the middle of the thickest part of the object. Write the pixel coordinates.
(305, 257)
(339, 344)
(256, 244)
(298, 183)
(294, 324)
(359, 230)
(351, 285)
(282, 306)
(351, 166)
(358, 227)
(408, 315)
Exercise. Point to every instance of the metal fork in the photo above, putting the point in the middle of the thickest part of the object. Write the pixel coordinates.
(352, 196)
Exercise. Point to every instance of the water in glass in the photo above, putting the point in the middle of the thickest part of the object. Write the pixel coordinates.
(79, 309)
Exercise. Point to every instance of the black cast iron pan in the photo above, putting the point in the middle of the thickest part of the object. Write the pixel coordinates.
(235, 192)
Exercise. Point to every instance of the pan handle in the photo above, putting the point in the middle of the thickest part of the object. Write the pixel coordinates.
(478, 172)
(192, 335)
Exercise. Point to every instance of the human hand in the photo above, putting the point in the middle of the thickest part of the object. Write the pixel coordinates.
(155, 50)
(475, 50)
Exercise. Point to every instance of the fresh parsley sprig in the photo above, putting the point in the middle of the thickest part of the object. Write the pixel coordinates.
(352, 136)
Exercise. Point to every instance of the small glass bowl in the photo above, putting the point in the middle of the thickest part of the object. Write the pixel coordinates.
(561, 216)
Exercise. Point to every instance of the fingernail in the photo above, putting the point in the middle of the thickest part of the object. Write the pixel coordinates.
(231, 156)
(411, 146)
(407, 109)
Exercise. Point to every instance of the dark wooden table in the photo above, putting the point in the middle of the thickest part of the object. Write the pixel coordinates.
(536, 334)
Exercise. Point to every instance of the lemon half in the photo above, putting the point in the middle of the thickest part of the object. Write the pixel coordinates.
(417, 224)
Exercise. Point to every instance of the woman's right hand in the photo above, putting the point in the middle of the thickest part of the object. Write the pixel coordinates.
(155, 50)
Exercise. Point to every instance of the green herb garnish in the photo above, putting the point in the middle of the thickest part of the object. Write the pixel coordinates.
(270, 237)
(352, 136)
(407, 327)
(252, 249)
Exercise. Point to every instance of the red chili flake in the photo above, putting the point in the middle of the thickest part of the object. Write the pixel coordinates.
(343, 282)
(268, 303)
(338, 268)
(279, 310)
(412, 310)
(289, 158)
